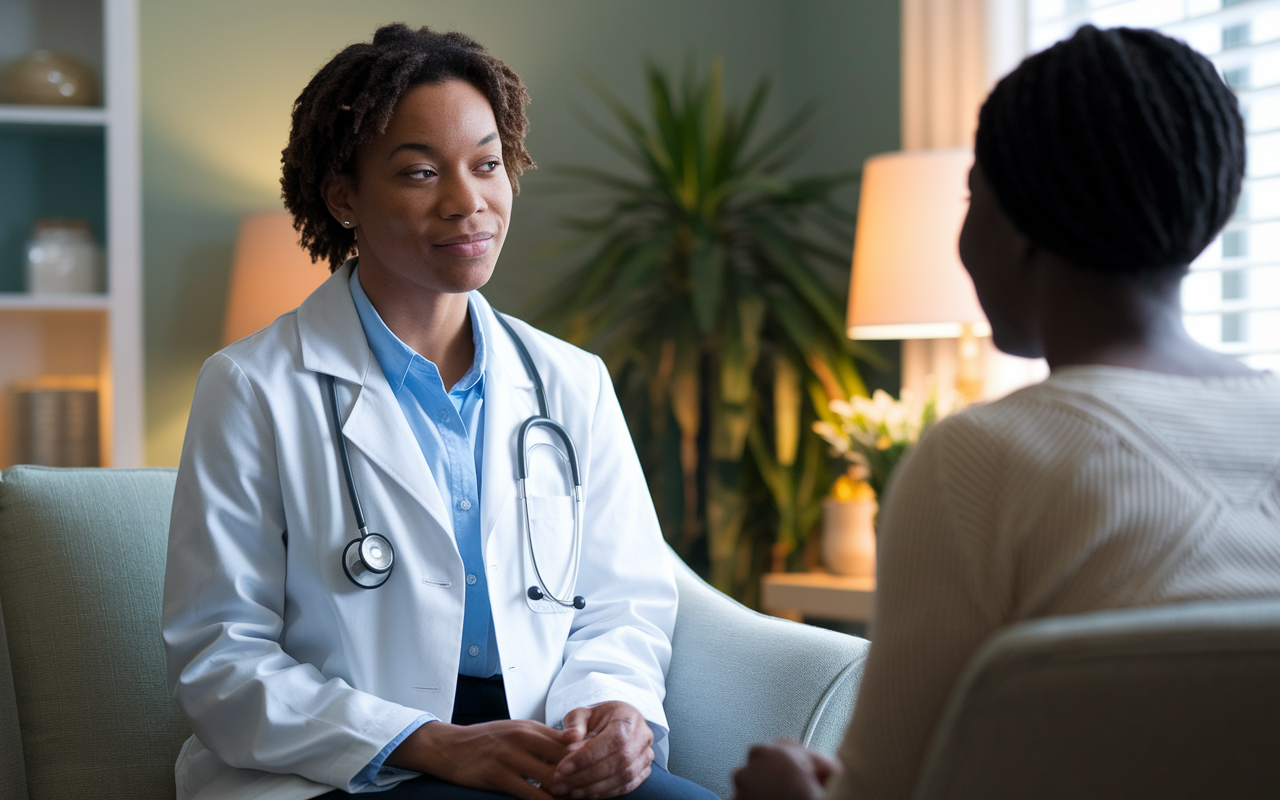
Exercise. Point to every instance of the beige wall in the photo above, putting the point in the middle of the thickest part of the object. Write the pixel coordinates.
(218, 80)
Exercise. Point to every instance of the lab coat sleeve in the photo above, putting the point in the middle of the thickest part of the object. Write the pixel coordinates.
(619, 645)
(249, 702)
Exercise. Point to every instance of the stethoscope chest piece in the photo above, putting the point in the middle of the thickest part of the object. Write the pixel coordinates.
(368, 560)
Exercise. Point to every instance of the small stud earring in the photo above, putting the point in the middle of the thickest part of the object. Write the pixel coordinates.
(347, 223)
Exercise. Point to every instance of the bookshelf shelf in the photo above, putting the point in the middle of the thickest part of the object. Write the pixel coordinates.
(52, 116)
(15, 301)
(83, 163)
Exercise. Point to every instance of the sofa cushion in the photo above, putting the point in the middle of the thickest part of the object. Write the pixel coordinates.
(80, 589)
(13, 776)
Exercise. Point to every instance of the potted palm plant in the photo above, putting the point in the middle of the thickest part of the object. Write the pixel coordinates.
(713, 287)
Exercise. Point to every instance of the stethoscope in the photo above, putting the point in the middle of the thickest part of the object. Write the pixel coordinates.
(367, 560)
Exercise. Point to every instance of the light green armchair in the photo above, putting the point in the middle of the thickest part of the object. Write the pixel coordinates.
(84, 710)
(1165, 703)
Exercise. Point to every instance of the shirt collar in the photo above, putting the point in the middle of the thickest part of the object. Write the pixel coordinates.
(395, 357)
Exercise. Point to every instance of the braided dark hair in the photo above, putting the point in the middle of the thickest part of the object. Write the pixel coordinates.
(351, 99)
(1120, 150)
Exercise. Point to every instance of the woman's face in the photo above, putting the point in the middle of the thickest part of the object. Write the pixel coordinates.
(431, 198)
(998, 259)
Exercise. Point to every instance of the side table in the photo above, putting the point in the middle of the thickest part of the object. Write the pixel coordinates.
(817, 594)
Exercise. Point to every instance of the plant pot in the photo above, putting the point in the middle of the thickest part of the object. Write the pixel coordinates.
(849, 537)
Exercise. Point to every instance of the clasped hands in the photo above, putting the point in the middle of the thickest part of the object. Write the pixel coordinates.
(604, 750)
(783, 769)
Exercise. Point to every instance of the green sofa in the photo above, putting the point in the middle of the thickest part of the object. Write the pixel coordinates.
(85, 713)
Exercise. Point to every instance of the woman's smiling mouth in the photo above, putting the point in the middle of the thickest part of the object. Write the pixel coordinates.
(468, 246)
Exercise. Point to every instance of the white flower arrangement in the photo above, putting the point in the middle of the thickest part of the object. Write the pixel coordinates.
(875, 433)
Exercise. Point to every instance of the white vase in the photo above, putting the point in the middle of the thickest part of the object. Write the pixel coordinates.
(62, 258)
(849, 537)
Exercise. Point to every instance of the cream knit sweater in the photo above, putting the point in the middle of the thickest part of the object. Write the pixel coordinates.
(1101, 488)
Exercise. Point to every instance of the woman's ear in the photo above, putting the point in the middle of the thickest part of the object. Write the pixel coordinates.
(1024, 253)
(338, 191)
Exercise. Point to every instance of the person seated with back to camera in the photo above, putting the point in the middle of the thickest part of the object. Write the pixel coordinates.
(1144, 471)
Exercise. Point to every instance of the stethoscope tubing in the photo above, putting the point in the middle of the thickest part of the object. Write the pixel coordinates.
(345, 459)
(539, 592)
(544, 420)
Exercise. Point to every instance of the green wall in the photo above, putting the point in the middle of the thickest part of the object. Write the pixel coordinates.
(218, 80)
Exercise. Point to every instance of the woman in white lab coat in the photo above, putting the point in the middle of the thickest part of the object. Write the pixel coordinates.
(298, 682)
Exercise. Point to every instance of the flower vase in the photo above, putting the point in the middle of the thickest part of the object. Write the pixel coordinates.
(849, 537)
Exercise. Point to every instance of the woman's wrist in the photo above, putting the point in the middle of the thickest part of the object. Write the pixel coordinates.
(421, 751)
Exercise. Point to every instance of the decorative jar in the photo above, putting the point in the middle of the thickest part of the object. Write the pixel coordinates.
(849, 537)
(62, 258)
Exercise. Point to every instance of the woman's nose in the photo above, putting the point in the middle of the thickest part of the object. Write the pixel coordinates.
(461, 197)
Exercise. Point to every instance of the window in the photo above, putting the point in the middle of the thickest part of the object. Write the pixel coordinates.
(1235, 35)
(1234, 284)
(1232, 296)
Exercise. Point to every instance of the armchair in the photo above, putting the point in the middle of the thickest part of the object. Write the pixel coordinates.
(1171, 702)
(85, 712)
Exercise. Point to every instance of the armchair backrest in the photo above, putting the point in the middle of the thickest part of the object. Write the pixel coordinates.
(1168, 702)
(80, 593)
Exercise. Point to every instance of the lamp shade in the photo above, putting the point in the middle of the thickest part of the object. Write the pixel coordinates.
(908, 282)
(272, 274)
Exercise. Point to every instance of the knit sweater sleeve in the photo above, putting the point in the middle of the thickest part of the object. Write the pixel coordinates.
(939, 595)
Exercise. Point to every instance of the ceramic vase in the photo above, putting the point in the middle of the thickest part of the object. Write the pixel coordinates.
(849, 537)
(62, 258)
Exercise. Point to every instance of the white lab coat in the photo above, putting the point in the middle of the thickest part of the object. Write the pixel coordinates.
(292, 677)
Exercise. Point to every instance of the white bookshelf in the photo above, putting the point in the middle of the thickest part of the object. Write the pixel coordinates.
(52, 116)
(98, 334)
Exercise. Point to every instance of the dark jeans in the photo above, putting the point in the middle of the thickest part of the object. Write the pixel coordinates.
(485, 700)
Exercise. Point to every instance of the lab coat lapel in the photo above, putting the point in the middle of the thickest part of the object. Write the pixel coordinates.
(508, 401)
(333, 343)
(376, 425)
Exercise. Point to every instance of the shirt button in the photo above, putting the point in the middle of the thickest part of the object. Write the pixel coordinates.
(471, 580)
(473, 650)
(465, 505)
(442, 415)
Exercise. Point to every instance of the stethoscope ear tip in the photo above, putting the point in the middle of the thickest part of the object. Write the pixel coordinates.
(535, 593)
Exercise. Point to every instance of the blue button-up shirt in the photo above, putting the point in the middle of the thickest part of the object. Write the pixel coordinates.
(449, 428)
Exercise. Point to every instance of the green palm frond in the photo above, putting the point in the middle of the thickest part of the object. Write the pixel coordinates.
(716, 281)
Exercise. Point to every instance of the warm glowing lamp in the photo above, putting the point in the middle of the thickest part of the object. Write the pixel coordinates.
(272, 274)
(907, 281)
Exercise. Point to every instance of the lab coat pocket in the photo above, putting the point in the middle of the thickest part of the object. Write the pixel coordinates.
(551, 535)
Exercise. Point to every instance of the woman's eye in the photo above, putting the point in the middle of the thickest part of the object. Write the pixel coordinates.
(490, 166)
(422, 173)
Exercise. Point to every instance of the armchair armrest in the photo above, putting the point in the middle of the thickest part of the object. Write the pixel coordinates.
(739, 678)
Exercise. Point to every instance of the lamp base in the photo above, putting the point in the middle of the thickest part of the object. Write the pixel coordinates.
(970, 363)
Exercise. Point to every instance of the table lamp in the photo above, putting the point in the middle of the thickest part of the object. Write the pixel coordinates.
(272, 274)
(907, 280)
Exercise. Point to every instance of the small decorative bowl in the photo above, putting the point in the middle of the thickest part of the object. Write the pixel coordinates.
(46, 78)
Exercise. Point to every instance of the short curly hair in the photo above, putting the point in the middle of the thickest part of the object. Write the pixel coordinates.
(351, 99)
(1120, 149)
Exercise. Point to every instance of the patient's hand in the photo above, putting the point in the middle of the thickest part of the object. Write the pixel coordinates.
(610, 749)
(783, 769)
(501, 757)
